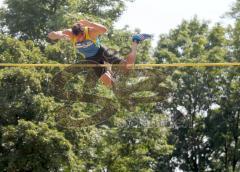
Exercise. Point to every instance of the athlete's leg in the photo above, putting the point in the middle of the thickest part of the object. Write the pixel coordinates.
(107, 79)
(131, 57)
(98, 72)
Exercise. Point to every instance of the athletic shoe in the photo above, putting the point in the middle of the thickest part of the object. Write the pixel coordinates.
(140, 37)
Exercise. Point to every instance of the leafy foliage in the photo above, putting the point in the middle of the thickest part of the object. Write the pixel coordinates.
(197, 94)
(160, 120)
(43, 149)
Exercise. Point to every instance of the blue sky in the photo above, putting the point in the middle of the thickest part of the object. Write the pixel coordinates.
(159, 16)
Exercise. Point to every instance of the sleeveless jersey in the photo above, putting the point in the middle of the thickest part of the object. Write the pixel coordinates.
(88, 47)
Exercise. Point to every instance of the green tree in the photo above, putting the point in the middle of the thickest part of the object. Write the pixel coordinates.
(222, 126)
(235, 10)
(29, 113)
(31, 147)
(44, 16)
(29, 18)
(194, 89)
(224, 136)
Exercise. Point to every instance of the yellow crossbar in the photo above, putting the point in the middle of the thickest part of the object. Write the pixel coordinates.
(121, 65)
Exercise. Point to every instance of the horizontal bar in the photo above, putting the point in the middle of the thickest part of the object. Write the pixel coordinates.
(121, 65)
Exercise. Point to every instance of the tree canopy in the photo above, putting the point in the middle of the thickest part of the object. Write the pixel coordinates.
(155, 119)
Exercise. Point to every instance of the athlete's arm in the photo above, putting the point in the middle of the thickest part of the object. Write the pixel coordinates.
(95, 29)
(56, 35)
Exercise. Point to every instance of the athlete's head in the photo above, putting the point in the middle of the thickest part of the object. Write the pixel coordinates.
(77, 29)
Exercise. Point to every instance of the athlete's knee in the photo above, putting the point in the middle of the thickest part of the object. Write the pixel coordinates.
(107, 79)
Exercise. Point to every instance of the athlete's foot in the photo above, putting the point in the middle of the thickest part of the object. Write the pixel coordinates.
(141, 37)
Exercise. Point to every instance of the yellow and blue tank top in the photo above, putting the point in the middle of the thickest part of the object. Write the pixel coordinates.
(89, 47)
